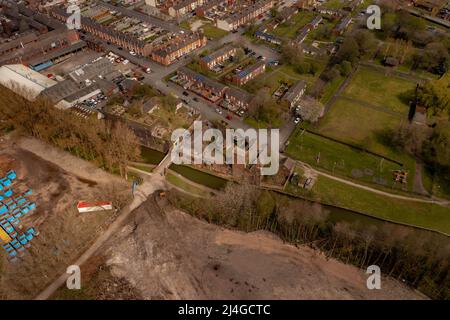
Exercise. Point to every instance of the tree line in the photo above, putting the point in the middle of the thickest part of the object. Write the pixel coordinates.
(417, 257)
(110, 145)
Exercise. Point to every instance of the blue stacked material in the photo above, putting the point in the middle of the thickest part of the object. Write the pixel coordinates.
(13, 207)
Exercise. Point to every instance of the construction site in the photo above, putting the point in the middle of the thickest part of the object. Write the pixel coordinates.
(42, 231)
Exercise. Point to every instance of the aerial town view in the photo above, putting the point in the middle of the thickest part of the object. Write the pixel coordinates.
(224, 150)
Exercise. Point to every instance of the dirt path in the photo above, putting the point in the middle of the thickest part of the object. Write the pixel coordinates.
(149, 186)
(418, 182)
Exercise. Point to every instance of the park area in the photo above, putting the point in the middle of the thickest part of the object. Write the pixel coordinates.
(386, 91)
(58, 181)
(353, 138)
(413, 213)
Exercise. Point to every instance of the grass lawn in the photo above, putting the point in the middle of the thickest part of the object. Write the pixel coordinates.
(424, 215)
(177, 181)
(330, 88)
(272, 79)
(340, 159)
(143, 168)
(334, 4)
(213, 32)
(331, 192)
(361, 126)
(290, 28)
(374, 87)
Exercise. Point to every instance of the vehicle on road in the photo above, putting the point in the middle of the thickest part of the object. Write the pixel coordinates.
(229, 117)
(195, 99)
(185, 93)
(219, 111)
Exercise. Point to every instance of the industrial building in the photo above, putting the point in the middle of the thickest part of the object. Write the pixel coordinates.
(24, 81)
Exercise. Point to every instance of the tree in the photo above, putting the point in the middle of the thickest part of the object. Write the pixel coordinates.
(435, 95)
(349, 51)
(365, 40)
(290, 54)
(410, 137)
(311, 109)
(435, 58)
(436, 150)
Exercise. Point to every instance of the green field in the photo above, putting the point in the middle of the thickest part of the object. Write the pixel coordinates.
(330, 88)
(213, 32)
(338, 158)
(335, 193)
(375, 88)
(182, 184)
(418, 214)
(361, 126)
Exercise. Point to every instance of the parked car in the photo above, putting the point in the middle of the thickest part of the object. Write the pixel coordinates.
(296, 120)
(219, 111)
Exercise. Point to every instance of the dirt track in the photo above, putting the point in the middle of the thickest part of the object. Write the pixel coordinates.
(64, 233)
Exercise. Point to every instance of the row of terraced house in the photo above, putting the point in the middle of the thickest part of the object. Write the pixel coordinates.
(167, 51)
(246, 15)
(232, 98)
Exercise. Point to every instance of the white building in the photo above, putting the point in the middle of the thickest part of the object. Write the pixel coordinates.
(24, 81)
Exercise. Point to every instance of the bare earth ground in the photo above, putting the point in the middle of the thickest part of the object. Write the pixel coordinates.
(160, 253)
(167, 254)
(64, 233)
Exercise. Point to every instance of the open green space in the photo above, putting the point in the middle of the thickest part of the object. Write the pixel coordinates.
(340, 159)
(151, 156)
(330, 88)
(424, 215)
(290, 28)
(375, 88)
(360, 126)
(213, 32)
(177, 181)
(200, 177)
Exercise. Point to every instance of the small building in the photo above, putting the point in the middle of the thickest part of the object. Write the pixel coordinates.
(391, 62)
(343, 25)
(249, 73)
(218, 57)
(316, 21)
(263, 35)
(295, 93)
(204, 86)
(237, 99)
(174, 48)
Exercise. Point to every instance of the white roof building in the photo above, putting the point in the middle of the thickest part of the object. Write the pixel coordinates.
(24, 81)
